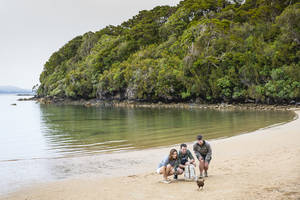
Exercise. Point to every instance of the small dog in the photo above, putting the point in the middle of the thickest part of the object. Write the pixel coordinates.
(200, 183)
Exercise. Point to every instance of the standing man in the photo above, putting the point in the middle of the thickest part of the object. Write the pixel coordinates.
(203, 153)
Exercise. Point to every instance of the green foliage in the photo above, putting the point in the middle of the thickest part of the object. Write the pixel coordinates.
(209, 49)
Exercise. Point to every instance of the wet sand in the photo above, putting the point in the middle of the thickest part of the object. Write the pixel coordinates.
(264, 164)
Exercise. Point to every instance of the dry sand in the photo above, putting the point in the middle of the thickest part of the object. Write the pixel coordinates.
(264, 164)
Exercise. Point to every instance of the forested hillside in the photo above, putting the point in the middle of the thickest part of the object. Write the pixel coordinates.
(200, 50)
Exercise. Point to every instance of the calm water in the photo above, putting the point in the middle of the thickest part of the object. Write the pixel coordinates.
(32, 134)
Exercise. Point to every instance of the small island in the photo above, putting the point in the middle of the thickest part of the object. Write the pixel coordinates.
(15, 90)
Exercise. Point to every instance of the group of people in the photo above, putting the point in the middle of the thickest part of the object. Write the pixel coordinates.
(176, 162)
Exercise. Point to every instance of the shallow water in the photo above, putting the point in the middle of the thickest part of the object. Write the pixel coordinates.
(32, 134)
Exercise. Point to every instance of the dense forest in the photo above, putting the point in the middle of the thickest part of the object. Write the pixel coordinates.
(198, 51)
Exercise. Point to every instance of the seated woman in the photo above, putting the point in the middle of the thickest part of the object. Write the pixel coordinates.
(169, 166)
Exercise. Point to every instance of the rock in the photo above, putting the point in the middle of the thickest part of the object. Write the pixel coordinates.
(130, 93)
(199, 100)
(13, 104)
(88, 104)
(249, 101)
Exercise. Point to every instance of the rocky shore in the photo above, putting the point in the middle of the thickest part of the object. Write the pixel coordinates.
(27, 99)
(138, 104)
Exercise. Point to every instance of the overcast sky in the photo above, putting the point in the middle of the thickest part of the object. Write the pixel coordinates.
(31, 30)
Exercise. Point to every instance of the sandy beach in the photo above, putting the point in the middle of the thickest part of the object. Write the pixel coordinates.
(264, 164)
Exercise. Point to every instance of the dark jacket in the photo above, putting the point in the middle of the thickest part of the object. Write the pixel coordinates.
(203, 150)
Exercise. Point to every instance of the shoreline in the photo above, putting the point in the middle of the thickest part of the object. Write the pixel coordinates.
(180, 105)
(261, 177)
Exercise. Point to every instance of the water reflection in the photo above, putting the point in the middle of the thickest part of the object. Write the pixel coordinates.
(76, 130)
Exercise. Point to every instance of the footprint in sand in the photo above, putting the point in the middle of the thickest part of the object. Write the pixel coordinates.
(132, 176)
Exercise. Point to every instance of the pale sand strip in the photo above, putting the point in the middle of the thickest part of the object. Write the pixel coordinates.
(264, 164)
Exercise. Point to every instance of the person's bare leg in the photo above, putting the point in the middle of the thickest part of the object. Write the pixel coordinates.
(205, 168)
(201, 167)
(162, 169)
(169, 170)
(163, 172)
(172, 172)
(179, 171)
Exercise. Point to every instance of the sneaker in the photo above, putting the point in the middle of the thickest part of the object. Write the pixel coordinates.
(166, 181)
(201, 176)
(205, 174)
(175, 176)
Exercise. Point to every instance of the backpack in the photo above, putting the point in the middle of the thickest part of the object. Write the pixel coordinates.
(190, 173)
